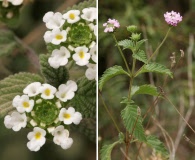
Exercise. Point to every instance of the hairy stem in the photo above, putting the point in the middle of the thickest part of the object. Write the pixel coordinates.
(156, 51)
(122, 55)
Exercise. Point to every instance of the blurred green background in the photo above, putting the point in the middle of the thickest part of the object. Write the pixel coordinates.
(148, 16)
(29, 32)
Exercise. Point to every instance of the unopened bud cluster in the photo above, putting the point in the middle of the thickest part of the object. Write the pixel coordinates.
(73, 35)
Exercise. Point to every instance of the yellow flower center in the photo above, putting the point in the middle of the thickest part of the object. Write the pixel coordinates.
(59, 36)
(38, 135)
(63, 95)
(66, 115)
(81, 54)
(25, 104)
(47, 92)
(72, 16)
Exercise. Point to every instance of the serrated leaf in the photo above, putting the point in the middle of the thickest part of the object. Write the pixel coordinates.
(127, 44)
(144, 89)
(141, 56)
(7, 42)
(157, 68)
(133, 122)
(12, 86)
(85, 98)
(157, 145)
(87, 127)
(105, 152)
(110, 73)
(139, 43)
(53, 76)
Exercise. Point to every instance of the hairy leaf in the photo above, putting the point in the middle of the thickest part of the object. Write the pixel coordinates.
(155, 67)
(105, 153)
(133, 122)
(12, 86)
(139, 43)
(110, 73)
(144, 89)
(126, 44)
(8, 42)
(85, 98)
(88, 128)
(157, 145)
(141, 56)
(53, 76)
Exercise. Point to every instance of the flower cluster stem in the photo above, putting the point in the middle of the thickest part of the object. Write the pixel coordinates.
(122, 55)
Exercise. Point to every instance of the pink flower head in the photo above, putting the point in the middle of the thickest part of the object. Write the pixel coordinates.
(172, 18)
(111, 25)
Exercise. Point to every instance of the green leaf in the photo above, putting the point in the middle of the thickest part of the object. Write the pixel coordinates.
(85, 98)
(139, 43)
(141, 56)
(144, 89)
(53, 76)
(110, 73)
(8, 42)
(155, 67)
(126, 44)
(105, 152)
(157, 145)
(12, 86)
(133, 122)
(87, 127)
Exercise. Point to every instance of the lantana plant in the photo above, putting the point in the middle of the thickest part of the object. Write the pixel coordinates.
(54, 105)
(133, 118)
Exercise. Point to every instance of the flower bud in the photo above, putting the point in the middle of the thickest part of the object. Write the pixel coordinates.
(132, 28)
(135, 36)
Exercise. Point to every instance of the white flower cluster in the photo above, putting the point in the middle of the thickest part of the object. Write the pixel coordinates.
(5, 3)
(42, 107)
(74, 36)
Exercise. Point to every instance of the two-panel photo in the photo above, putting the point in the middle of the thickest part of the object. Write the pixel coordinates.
(97, 80)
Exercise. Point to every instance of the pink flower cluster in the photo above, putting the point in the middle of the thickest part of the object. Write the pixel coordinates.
(111, 25)
(172, 18)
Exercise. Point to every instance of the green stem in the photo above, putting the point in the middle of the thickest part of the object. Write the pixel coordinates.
(122, 55)
(155, 52)
(106, 108)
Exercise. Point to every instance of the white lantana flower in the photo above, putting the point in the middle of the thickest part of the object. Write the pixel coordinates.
(81, 56)
(32, 89)
(16, 121)
(93, 51)
(72, 16)
(56, 36)
(16, 2)
(89, 14)
(69, 116)
(95, 30)
(66, 91)
(37, 139)
(47, 91)
(23, 103)
(91, 71)
(59, 57)
(61, 137)
(53, 20)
